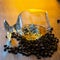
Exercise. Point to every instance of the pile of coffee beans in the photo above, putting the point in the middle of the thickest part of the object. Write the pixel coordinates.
(45, 46)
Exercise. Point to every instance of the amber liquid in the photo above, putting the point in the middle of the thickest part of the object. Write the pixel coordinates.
(31, 36)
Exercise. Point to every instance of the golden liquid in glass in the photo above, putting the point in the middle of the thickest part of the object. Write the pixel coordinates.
(34, 36)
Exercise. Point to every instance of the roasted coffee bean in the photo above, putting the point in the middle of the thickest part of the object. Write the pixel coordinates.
(38, 56)
(17, 38)
(9, 51)
(6, 36)
(50, 55)
(5, 45)
(5, 49)
(13, 33)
